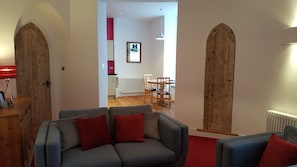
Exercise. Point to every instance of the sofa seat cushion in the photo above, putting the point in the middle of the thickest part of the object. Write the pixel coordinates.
(147, 154)
(102, 156)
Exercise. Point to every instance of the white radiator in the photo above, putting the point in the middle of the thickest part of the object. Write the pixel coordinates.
(276, 121)
(131, 85)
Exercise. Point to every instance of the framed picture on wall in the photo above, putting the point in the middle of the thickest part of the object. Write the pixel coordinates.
(133, 52)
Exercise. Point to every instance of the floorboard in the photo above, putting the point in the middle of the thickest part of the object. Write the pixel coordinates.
(139, 100)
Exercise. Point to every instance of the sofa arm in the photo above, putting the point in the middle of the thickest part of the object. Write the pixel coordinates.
(174, 135)
(53, 146)
(244, 151)
(39, 145)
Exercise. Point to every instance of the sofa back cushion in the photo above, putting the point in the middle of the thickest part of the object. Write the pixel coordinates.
(68, 127)
(128, 110)
(151, 125)
(86, 112)
(129, 128)
(93, 132)
(290, 134)
(69, 133)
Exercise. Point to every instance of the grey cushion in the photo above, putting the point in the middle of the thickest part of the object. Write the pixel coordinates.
(292, 139)
(86, 112)
(68, 126)
(151, 125)
(65, 114)
(103, 156)
(69, 133)
(290, 134)
(149, 153)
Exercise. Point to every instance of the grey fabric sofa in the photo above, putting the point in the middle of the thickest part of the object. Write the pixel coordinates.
(246, 151)
(170, 150)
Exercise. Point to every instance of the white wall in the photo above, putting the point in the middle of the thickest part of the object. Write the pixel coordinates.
(265, 73)
(71, 31)
(158, 56)
(54, 29)
(9, 15)
(158, 47)
(265, 77)
(130, 30)
(48, 20)
(80, 78)
(102, 55)
(170, 29)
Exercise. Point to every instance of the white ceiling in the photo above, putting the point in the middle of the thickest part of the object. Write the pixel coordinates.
(140, 9)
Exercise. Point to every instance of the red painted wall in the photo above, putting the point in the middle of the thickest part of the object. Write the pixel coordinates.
(109, 28)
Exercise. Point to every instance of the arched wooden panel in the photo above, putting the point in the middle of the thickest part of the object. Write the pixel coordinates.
(219, 79)
(33, 70)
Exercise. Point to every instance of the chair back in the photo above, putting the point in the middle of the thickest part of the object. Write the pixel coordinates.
(147, 77)
(163, 85)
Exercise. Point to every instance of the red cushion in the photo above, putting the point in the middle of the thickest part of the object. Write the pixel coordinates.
(129, 128)
(278, 153)
(93, 132)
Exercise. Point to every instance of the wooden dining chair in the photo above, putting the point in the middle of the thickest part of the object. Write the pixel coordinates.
(148, 87)
(163, 91)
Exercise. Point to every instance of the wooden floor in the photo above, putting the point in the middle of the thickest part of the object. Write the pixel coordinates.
(139, 100)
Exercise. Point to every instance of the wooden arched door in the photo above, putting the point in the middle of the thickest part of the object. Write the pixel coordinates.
(219, 79)
(33, 70)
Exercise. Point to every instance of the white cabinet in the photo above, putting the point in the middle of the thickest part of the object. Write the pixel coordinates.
(112, 85)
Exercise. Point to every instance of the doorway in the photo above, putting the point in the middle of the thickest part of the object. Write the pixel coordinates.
(33, 70)
(159, 56)
(219, 79)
